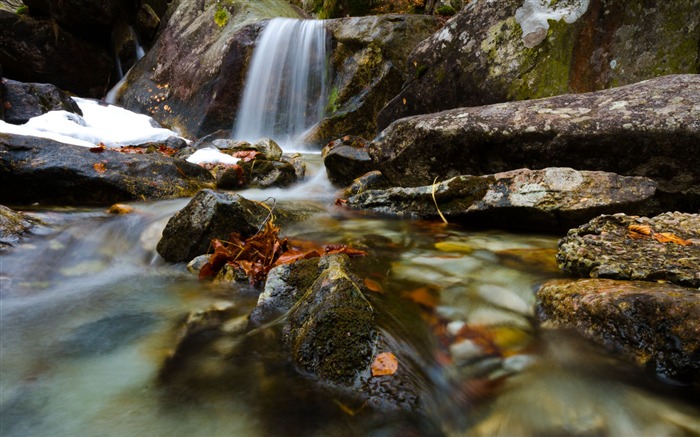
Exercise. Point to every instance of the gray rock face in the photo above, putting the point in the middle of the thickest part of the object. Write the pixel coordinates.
(515, 50)
(209, 215)
(39, 50)
(647, 129)
(331, 331)
(192, 78)
(658, 325)
(605, 248)
(23, 101)
(548, 199)
(368, 67)
(346, 159)
(53, 173)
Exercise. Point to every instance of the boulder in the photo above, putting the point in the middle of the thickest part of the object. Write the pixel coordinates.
(656, 324)
(23, 101)
(78, 14)
(331, 331)
(368, 63)
(526, 49)
(548, 199)
(39, 50)
(192, 78)
(53, 173)
(209, 215)
(665, 247)
(346, 159)
(373, 180)
(647, 129)
(13, 225)
(260, 173)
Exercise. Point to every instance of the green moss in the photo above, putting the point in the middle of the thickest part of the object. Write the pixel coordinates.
(440, 74)
(420, 71)
(446, 10)
(333, 105)
(221, 17)
(22, 10)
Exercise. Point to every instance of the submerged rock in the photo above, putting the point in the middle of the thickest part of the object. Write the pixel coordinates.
(53, 173)
(23, 101)
(637, 248)
(646, 129)
(656, 324)
(526, 49)
(552, 198)
(331, 331)
(209, 215)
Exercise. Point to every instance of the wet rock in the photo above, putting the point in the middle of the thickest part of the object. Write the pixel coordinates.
(266, 174)
(13, 225)
(604, 248)
(368, 61)
(331, 332)
(517, 50)
(658, 325)
(552, 198)
(53, 173)
(346, 159)
(209, 215)
(192, 78)
(647, 129)
(373, 180)
(23, 101)
(50, 54)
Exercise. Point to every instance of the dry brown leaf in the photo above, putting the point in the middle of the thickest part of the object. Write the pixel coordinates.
(385, 364)
(373, 285)
(423, 296)
(120, 209)
(637, 232)
(667, 237)
(99, 167)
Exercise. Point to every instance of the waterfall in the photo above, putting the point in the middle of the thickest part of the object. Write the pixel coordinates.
(285, 88)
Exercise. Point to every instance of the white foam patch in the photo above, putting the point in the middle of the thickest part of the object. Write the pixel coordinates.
(108, 124)
(534, 15)
(211, 156)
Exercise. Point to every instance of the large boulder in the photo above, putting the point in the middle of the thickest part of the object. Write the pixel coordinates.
(39, 50)
(656, 324)
(209, 215)
(549, 199)
(53, 173)
(192, 78)
(331, 332)
(23, 101)
(647, 129)
(368, 64)
(514, 50)
(665, 247)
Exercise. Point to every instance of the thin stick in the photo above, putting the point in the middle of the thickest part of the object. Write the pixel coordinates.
(444, 220)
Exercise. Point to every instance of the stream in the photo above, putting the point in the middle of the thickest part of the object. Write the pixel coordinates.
(89, 312)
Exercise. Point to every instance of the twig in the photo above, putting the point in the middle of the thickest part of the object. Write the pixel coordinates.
(444, 220)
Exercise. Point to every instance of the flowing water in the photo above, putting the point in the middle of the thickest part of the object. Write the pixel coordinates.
(286, 83)
(89, 313)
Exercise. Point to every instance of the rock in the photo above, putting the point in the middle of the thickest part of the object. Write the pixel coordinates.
(548, 199)
(53, 173)
(77, 14)
(368, 62)
(147, 22)
(331, 332)
(13, 225)
(518, 50)
(373, 180)
(603, 248)
(646, 129)
(346, 159)
(209, 215)
(192, 78)
(656, 324)
(50, 54)
(266, 174)
(268, 147)
(23, 101)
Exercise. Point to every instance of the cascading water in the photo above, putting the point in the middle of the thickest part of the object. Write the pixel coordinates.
(285, 91)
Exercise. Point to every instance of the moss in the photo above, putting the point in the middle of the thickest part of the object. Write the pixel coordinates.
(440, 74)
(420, 71)
(446, 10)
(221, 17)
(22, 10)
(332, 105)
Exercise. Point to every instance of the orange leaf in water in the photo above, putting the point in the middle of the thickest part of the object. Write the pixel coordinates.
(373, 285)
(341, 248)
(385, 364)
(424, 297)
(99, 167)
(667, 237)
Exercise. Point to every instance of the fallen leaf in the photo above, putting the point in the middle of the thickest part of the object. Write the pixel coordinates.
(423, 296)
(385, 364)
(637, 232)
(373, 285)
(667, 237)
(340, 202)
(247, 155)
(98, 149)
(120, 209)
(99, 167)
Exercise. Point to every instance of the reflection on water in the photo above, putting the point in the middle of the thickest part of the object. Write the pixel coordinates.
(88, 314)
